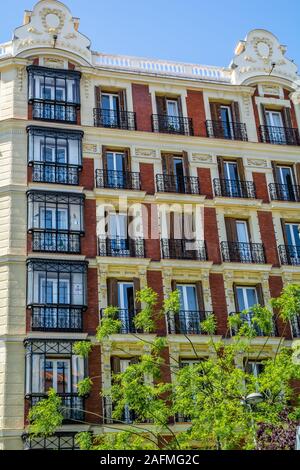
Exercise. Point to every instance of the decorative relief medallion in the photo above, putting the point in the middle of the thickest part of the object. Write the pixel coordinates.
(90, 148)
(200, 158)
(52, 20)
(257, 162)
(142, 152)
(263, 48)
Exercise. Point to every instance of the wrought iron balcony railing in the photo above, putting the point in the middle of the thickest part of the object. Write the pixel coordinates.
(126, 317)
(172, 124)
(279, 135)
(122, 247)
(247, 318)
(186, 322)
(234, 188)
(289, 254)
(115, 119)
(56, 318)
(295, 324)
(183, 249)
(55, 173)
(57, 441)
(284, 192)
(54, 111)
(240, 252)
(227, 130)
(55, 241)
(128, 416)
(118, 179)
(177, 184)
(72, 407)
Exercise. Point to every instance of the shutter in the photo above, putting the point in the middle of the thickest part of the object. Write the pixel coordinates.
(235, 112)
(112, 289)
(161, 105)
(176, 316)
(98, 96)
(221, 169)
(297, 171)
(171, 228)
(215, 111)
(127, 154)
(236, 302)
(115, 365)
(241, 170)
(200, 299)
(122, 100)
(167, 163)
(231, 231)
(104, 158)
(286, 117)
(186, 163)
(136, 288)
(284, 231)
(263, 114)
(173, 285)
(275, 172)
(179, 106)
(260, 295)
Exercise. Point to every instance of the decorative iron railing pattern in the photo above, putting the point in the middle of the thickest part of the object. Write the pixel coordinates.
(55, 241)
(234, 188)
(186, 322)
(177, 184)
(52, 173)
(183, 249)
(284, 192)
(58, 441)
(279, 135)
(126, 317)
(115, 119)
(240, 252)
(118, 179)
(122, 247)
(72, 406)
(247, 318)
(227, 130)
(172, 124)
(54, 111)
(56, 318)
(289, 254)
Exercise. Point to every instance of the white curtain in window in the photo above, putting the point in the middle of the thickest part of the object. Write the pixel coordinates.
(77, 371)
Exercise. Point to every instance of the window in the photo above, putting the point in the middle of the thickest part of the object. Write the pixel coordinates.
(292, 234)
(246, 298)
(254, 367)
(274, 118)
(54, 84)
(231, 171)
(117, 232)
(226, 120)
(126, 296)
(285, 175)
(57, 375)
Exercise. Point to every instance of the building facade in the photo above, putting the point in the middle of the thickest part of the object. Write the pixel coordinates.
(119, 173)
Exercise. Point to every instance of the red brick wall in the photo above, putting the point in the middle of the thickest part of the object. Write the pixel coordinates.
(147, 177)
(154, 280)
(151, 232)
(211, 236)
(196, 111)
(89, 241)
(93, 403)
(205, 182)
(219, 305)
(87, 175)
(267, 233)
(276, 286)
(142, 106)
(260, 183)
(91, 315)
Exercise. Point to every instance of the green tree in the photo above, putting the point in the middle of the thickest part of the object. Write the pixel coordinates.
(211, 394)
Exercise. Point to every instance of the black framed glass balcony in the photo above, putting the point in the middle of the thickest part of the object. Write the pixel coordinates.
(118, 179)
(115, 119)
(54, 94)
(172, 124)
(72, 406)
(240, 252)
(284, 192)
(279, 135)
(56, 318)
(247, 318)
(295, 326)
(234, 188)
(289, 254)
(57, 174)
(183, 249)
(121, 247)
(126, 317)
(227, 130)
(177, 184)
(58, 441)
(186, 322)
(56, 241)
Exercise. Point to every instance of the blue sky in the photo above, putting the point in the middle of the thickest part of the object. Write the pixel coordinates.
(199, 31)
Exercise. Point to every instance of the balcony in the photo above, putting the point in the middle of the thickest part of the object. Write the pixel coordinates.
(115, 119)
(186, 322)
(57, 441)
(127, 320)
(183, 249)
(122, 247)
(118, 179)
(289, 254)
(284, 192)
(172, 124)
(48, 110)
(295, 324)
(227, 130)
(177, 184)
(56, 318)
(279, 135)
(128, 416)
(52, 173)
(246, 318)
(240, 252)
(55, 241)
(234, 188)
(72, 407)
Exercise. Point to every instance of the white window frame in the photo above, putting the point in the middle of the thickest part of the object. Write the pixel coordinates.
(54, 376)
